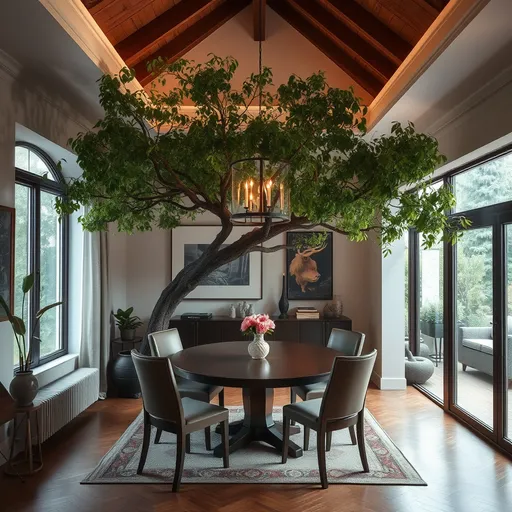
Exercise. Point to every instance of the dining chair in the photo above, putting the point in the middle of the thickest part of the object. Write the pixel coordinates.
(348, 343)
(165, 344)
(342, 406)
(166, 410)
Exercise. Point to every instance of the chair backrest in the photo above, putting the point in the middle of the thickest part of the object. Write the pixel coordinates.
(165, 343)
(349, 343)
(158, 385)
(346, 391)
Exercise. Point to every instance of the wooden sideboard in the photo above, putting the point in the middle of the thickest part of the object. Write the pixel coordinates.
(219, 328)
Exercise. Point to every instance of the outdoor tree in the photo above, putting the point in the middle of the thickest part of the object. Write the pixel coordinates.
(148, 165)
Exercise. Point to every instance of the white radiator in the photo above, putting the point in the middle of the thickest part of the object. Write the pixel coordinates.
(65, 399)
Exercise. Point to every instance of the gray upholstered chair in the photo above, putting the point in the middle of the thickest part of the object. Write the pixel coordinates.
(166, 410)
(165, 344)
(348, 343)
(7, 409)
(342, 406)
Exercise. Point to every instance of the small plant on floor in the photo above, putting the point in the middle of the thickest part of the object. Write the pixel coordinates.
(19, 327)
(127, 324)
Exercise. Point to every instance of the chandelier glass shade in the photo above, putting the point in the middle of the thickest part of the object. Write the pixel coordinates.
(259, 192)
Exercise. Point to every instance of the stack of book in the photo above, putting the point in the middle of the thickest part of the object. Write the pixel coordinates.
(307, 313)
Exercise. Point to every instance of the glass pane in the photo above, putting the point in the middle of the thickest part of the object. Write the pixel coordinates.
(485, 185)
(431, 313)
(37, 166)
(508, 344)
(51, 275)
(474, 342)
(22, 254)
(21, 158)
(406, 281)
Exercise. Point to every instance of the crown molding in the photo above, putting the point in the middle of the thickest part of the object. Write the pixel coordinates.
(447, 26)
(76, 20)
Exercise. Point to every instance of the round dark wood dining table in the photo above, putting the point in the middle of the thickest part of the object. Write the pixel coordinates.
(229, 364)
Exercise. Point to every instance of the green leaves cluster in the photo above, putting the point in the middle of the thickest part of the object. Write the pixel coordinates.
(18, 324)
(149, 163)
(125, 320)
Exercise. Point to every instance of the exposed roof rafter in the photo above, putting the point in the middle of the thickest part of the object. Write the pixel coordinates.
(327, 46)
(192, 36)
(259, 8)
(131, 48)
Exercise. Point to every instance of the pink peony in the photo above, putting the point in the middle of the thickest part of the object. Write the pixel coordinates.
(258, 324)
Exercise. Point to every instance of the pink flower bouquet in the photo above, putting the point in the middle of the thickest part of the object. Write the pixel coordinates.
(257, 324)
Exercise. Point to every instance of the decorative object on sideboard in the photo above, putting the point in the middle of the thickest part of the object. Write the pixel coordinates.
(309, 263)
(232, 311)
(283, 301)
(127, 324)
(258, 326)
(307, 313)
(334, 309)
(250, 310)
(124, 376)
(6, 259)
(242, 309)
(24, 386)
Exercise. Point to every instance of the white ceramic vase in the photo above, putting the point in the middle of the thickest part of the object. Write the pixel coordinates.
(259, 348)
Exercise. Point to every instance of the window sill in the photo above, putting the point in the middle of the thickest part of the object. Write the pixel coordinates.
(56, 369)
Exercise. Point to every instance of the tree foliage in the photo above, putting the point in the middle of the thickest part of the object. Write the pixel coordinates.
(148, 164)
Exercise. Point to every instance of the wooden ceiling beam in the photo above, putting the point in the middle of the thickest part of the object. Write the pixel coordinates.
(326, 45)
(132, 48)
(352, 41)
(258, 15)
(352, 12)
(192, 36)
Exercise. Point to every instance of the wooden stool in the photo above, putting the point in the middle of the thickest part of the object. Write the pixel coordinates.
(27, 464)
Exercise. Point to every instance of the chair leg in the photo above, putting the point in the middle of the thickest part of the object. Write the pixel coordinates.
(321, 457)
(187, 444)
(158, 435)
(361, 442)
(352, 431)
(180, 459)
(208, 438)
(224, 432)
(221, 398)
(145, 445)
(306, 438)
(464, 366)
(329, 441)
(293, 399)
(286, 437)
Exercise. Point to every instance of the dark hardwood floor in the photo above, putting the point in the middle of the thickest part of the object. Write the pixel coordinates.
(463, 472)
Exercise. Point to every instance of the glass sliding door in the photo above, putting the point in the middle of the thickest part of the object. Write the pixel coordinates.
(474, 343)
(507, 407)
(431, 313)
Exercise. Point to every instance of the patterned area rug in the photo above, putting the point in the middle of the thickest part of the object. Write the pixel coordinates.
(258, 462)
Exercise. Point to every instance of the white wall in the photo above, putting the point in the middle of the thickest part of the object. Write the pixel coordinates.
(149, 271)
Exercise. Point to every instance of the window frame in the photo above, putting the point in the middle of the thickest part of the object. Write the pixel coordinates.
(37, 184)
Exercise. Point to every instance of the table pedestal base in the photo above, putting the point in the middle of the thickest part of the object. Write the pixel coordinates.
(258, 424)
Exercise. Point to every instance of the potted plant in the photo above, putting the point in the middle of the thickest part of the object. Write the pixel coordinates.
(431, 319)
(24, 386)
(127, 324)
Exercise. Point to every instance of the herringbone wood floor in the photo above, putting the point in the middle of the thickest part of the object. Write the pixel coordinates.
(463, 473)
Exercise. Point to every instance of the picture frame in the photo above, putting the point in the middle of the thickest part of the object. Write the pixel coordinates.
(7, 226)
(241, 279)
(310, 274)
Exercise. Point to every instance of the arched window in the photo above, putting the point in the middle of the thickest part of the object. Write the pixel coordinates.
(40, 248)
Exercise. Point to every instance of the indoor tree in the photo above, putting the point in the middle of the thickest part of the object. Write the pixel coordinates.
(147, 164)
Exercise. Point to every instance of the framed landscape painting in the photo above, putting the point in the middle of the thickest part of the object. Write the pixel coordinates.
(309, 268)
(6, 258)
(239, 280)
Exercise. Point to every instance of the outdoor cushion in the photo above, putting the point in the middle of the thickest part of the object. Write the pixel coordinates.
(478, 344)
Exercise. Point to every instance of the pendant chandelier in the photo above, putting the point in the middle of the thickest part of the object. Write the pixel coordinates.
(259, 192)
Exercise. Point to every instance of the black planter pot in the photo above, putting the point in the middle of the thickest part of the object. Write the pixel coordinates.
(124, 376)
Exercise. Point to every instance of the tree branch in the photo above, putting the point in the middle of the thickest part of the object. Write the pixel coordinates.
(275, 248)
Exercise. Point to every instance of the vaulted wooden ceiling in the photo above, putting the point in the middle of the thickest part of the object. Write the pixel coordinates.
(368, 39)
